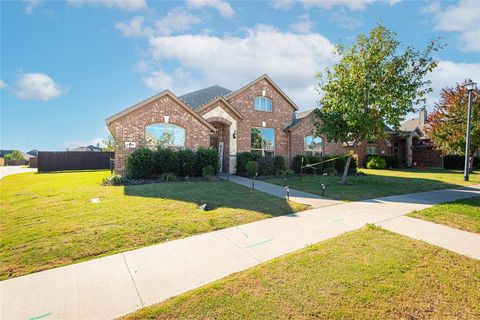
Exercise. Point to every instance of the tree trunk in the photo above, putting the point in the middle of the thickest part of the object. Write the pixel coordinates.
(470, 161)
(345, 170)
(347, 165)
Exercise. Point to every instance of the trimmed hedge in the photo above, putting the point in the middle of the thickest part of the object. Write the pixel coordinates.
(279, 164)
(145, 163)
(206, 157)
(458, 162)
(140, 164)
(391, 162)
(376, 162)
(252, 168)
(242, 159)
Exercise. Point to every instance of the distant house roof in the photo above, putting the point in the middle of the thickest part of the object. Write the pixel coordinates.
(198, 98)
(5, 152)
(89, 148)
(33, 153)
(410, 125)
(299, 116)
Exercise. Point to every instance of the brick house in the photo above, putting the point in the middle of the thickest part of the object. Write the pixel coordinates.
(259, 117)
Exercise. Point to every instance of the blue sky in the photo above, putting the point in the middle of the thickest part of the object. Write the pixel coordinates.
(68, 65)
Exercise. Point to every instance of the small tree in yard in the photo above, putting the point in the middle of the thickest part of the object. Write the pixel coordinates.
(373, 84)
(448, 122)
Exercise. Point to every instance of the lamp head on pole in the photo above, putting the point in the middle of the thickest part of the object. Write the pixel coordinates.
(470, 85)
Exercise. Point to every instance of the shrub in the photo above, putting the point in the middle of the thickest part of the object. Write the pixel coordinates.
(208, 171)
(376, 163)
(317, 161)
(140, 164)
(168, 177)
(185, 163)
(279, 164)
(331, 171)
(391, 161)
(297, 163)
(242, 159)
(165, 161)
(115, 180)
(339, 164)
(251, 168)
(266, 166)
(206, 157)
(458, 162)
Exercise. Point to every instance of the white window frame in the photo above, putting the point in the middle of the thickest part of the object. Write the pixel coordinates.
(262, 105)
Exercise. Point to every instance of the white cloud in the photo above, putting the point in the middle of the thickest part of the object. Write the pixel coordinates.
(283, 4)
(290, 59)
(463, 18)
(303, 25)
(2, 84)
(176, 20)
(223, 7)
(37, 86)
(127, 5)
(448, 74)
(352, 5)
(31, 4)
(345, 20)
(133, 28)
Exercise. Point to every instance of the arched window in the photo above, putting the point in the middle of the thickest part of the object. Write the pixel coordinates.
(263, 104)
(313, 144)
(165, 135)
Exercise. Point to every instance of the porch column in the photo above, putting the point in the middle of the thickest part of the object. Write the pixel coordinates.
(409, 151)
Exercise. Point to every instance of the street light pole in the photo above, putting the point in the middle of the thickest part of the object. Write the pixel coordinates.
(470, 86)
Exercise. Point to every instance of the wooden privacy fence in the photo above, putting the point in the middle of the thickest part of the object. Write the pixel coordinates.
(73, 160)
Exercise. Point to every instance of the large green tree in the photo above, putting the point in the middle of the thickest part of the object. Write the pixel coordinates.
(448, 122)
(375, 82)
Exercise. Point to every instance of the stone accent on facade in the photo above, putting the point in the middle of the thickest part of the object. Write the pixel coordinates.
(220, 114)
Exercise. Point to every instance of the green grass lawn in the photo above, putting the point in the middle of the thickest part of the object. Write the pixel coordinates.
(380, 183)
(462, 214)
(48, 220)
(366, 274)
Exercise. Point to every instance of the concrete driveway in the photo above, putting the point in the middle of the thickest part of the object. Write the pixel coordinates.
(8, 170)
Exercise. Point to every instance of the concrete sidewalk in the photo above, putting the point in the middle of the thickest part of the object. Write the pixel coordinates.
(9, 170)
(115, 285)
(295, 195)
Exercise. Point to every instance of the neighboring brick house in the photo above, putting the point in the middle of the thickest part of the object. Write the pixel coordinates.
(258, 117)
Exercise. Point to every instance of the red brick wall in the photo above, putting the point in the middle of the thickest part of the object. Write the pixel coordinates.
(361, 150)
(426, 157)
(131, 127)
(281, 114)
(305, 128)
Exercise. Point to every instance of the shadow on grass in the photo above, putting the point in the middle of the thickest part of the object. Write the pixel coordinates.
(216, 194)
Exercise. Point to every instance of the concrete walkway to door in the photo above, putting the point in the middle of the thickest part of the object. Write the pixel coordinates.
(295, 195)
(115, 285)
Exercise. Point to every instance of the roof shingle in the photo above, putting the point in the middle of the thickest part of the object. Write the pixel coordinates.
(198, 98)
